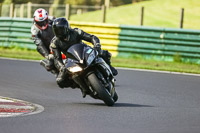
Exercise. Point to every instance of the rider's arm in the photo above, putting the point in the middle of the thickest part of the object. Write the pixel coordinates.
(39, 44)
(51, 19)
(57, 54)
(88, 37)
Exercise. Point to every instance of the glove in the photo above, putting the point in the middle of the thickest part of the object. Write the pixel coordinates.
(98, 47)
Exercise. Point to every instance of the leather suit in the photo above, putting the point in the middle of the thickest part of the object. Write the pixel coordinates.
(75, 36)
(42, 39)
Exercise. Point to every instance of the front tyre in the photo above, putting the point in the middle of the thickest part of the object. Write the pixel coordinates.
(115, 97)
(101, 91)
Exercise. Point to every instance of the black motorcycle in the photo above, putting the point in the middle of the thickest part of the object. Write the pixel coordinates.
(91, 73)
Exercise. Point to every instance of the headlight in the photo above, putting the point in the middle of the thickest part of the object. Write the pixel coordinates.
(75, 69)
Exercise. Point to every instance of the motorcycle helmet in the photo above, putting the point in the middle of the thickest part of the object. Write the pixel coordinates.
(61, 28)
(41, 18)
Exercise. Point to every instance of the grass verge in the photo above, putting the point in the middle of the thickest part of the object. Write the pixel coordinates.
(117, 62)
(20, 53)
(156, 65)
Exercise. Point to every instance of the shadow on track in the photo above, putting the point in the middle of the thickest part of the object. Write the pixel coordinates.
(130, 105)
(117, 105)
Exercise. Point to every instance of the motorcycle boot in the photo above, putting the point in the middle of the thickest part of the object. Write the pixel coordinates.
(47, 64)
(62, 76)
(66, 83)
(107, 57)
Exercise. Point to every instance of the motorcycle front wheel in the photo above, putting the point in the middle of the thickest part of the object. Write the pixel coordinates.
(101, 91)
(115, 97)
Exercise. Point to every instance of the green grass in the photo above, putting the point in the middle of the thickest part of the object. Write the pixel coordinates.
(117, 62)
(156, 65)
(20, 53)
(158, 13)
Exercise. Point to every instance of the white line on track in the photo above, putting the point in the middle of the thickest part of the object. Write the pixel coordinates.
(156, 71)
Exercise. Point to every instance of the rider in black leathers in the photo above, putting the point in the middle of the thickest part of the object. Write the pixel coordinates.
(42, 35)
(66, 37)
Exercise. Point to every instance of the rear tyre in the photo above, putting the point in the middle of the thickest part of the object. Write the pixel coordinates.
(101, 91)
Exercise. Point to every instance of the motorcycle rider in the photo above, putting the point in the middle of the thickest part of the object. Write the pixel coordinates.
(42, 35)
(66, 37)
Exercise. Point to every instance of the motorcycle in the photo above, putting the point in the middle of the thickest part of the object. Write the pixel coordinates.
(91, 73)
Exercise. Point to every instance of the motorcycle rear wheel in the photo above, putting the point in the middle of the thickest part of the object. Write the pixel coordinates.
(101, 91)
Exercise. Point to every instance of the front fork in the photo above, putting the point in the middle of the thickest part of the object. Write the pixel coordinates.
(78, 80)
(105, 75)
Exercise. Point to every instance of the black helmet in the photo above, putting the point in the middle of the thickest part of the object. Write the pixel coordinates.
(61, 28)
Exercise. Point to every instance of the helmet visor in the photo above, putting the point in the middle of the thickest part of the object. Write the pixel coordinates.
(42, 23)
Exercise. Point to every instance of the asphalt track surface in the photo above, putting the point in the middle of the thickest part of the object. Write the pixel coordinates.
(149, 102)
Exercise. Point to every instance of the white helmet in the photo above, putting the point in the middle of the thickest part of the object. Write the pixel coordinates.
(41, 18)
